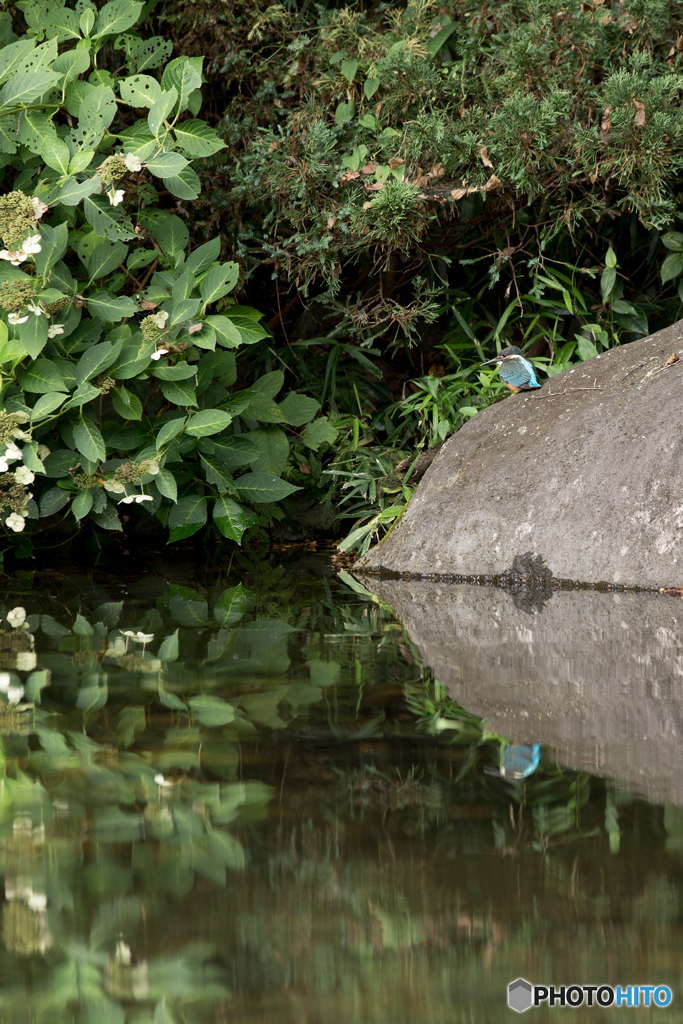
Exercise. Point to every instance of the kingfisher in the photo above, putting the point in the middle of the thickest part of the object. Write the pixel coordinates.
(515, 370)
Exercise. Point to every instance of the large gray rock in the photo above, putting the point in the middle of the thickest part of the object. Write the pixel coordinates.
(589, 481)
(597, 676)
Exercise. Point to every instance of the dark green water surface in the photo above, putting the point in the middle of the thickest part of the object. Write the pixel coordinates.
(261, 808)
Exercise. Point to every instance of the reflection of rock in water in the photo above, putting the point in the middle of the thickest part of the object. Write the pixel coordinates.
(595, 675)
(530, 583)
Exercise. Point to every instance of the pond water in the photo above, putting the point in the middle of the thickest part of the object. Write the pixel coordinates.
(263, 799)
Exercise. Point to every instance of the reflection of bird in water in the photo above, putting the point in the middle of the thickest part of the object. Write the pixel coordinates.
(516, 371)
(518, 762)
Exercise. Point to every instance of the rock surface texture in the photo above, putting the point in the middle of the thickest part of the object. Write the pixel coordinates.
(585, 474)
(596, 676)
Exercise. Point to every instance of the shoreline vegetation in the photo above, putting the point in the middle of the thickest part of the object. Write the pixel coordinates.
(253, 258)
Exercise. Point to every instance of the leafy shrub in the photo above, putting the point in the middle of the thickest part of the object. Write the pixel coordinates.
(118, 343)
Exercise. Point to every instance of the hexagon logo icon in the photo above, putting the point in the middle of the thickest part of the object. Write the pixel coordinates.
(520, 995)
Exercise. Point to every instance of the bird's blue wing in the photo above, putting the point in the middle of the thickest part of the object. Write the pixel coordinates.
(518, 372)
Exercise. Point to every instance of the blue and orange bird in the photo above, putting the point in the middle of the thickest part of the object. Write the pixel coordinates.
(515, 370)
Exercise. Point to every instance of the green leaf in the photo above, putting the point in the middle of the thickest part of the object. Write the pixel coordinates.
(126, 404)
(108, 518)
(56, 154)
(370, 87)
(185, 75)
(160, 110)
(183, 287)
(216, 473)
(96, 359)
(131, 361)
(89, 441)
(185, 185)
(441, 38)
(179, 392)
(607, 282)
(141, 258)
(168, 649)
(673, 240)
(96, 113)
(298, 409)
(140, 90)
(264, 409)
(105, 306)
(169, 431)
(84, 393)
(53, 242)
(250, 331)
(345, 112)
(587, 349)
(270, 384)
(167, 165)
(187, 517)
(53, 501)
(181, 371)
(45, 405)
(203, 256)
(81, 505)
(72, 63)
(105, 257)
(348, 69)
(233, 451)
(207, 422)
(262, 487)
(147, 53)
(105, 220)
(218, 282)
(232, 519)
(183, 311)
(42, 377)
(116, 16)
(211, 711)
(230, 606)
(672, 266)
(33, 335)
(27, 88)
(319, 432)
(197, 139)
(228, 335)
(273, 449)
(172, 235)
(166, 484)
(74, 191)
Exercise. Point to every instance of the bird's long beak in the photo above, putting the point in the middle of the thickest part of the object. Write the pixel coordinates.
(492, 362)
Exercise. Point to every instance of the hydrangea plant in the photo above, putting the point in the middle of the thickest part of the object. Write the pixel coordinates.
(117, 343)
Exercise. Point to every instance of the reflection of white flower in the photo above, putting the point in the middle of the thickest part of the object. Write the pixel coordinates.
(155, 355)
(117, 648)
(26, 661)
(14, 318)
(15, 522)
(132, 162)
(14, 694)
(160, 319)
(23, 475)
(16, 618)
(54, 330)
(115, 196)
(139, 637)
(40, 207)
(122, 955)
(162, 782)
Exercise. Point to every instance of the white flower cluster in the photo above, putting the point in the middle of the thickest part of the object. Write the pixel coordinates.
(31, 245)
(134, 164)
(23, 476)
(37, 309)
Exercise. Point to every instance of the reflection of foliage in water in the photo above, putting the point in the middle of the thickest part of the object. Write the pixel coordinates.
(281, 725)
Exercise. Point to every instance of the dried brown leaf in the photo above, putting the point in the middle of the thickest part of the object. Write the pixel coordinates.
(396, 161)
(492, 183)
(331, 221)
(194, 328)
(640, 113)
(369, 168)
(484, 154)
(148, 304)
(458, 193)
(350, 176)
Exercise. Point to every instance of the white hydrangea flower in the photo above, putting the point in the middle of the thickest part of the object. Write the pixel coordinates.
(15, 522)
(43, 452)
(13, 452)
(14, 318)
(16, 618)
(5, 682)
(54, 330)
(4, 465)
(139, 498)
(39, 206)
(155, 355)
(128, 500)
(139, 637)
(36, 308)
(15, 257)
(24, 475)
(31, 245)
(132, 162)
(115, 196)
(160, 319)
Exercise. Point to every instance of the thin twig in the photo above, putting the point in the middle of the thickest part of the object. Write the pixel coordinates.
(554, 394)
(631, 371)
